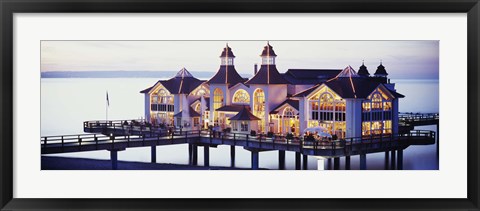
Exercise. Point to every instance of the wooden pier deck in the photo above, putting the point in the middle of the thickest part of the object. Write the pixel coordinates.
(407, 121)
(116, 136)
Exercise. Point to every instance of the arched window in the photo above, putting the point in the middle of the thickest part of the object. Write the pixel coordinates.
(259, 107)
(259, 102)
(289, 122)
(162, 96)
(165, 101)
(217, 98)
(241, 96)
(288, 113)
(377, 114)
(326, 102)
(162, 106)
(217, 103)
(327, 110)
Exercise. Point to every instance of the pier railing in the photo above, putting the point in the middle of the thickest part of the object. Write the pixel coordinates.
(89, 142)
(417, 118)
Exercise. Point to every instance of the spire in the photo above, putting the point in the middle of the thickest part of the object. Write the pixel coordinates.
(226, 68)
(227, 52)
(363, 71)
(268, 51)
(268, 64)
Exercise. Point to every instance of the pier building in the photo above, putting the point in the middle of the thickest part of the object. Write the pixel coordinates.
(344, 102)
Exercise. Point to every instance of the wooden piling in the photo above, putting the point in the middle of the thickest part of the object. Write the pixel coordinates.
(281, 159)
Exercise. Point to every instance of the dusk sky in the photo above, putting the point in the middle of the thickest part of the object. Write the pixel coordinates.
(402, 59)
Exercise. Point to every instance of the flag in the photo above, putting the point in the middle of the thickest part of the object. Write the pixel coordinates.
(108, 101)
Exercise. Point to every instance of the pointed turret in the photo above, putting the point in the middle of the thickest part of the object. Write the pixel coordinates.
(227, 73)
(381, 72)
(268, 73)
(363, 71)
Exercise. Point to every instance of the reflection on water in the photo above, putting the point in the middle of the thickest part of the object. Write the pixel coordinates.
(67, 102)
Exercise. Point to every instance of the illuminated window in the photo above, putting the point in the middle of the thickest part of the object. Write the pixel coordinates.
(241, 96)
(197, 108)
(259, 107)
(162, 106)
(217, 102)
(376, 102)
(288, 113)
(165, 101)
(327, 110)
(377, 114)
(289, 122)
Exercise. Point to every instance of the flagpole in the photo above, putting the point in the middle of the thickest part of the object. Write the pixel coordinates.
(106, 110)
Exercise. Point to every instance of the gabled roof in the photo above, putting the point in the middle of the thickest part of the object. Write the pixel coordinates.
(149, 88)
(232, 108)
(354, 87)
(293, 103)
(393, 92)
(191, 111)
(245, 115)
(182, 83)
(309, 76)
(268, 74)
(346, 87)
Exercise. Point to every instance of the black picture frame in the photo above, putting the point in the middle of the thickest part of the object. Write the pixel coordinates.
(10, 7)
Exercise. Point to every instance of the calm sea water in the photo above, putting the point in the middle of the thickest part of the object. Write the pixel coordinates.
(67, 102)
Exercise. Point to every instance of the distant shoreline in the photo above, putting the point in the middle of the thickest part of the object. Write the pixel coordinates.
(151, 74)
(121, 74)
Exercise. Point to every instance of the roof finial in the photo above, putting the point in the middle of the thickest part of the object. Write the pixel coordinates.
(363, 62)
(380, 62)
(268, 42)
(227, 44)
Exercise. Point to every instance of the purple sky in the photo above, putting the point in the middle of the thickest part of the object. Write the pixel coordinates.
(402, 59)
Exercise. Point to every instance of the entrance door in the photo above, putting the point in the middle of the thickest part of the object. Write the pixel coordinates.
(290, 125)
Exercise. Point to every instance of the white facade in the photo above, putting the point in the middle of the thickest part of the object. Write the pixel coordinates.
(344, 114)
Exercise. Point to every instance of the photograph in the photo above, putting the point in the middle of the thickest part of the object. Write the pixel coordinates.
(239, 105)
